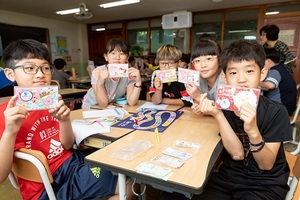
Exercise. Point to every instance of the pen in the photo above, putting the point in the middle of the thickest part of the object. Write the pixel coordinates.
(157, 135)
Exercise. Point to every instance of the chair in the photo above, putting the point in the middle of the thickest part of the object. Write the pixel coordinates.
(32, 165)
(55, 82)
(294, 119)
(294, 163)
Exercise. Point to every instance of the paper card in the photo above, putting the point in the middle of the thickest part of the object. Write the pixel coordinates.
(153, 170)
(231, 97)
(118, 70)
(91, 65)
(168, 75)
(187, 75)
(115, 112)
(85, 128)
(37, 98)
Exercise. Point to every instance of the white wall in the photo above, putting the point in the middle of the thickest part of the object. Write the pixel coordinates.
(76, 34)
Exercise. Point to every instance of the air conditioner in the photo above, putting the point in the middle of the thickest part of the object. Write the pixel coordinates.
(177, 20)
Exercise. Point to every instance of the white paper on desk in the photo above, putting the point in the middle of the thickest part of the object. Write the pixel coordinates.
(82, 129)
(150, 105)
(116, 112)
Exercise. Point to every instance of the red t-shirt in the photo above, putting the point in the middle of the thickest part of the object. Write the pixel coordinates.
(40, 131)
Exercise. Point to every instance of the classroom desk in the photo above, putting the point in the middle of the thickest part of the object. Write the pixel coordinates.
(134, 109)
(4, 99)
(81, 83)
(188, 179)
(189, 115)
(102, 139)
(71, 92)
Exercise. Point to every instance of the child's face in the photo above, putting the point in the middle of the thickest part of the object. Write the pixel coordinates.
(116, 57)
(244, 74)
(208, 66)
(167, 64)
(36, 72)
(182, 64)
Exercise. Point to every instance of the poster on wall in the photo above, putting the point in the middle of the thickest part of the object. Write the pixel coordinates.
(62, 45)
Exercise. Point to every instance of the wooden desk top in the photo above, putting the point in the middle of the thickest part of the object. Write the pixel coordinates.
(188, 178)
(189, 115)
(69, 91)
(4, 99)
(115, 132)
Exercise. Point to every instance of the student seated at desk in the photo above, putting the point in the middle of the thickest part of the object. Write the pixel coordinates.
(254, 164)
(173, 92)
(106, 89)
(60, 75)
(28, 63)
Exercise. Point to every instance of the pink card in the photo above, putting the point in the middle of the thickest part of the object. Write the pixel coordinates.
(37, 98)
(118, 70)
(231, 97)
(166, 76)
(187, 75)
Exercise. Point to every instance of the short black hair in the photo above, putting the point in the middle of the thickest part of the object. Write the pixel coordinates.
(185, 58)
(116, 43)
(271, 30)
(24, 49)
(205, 47)
(241, 50)
(272, 54)
(59, 63)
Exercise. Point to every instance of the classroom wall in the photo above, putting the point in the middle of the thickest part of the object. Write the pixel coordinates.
(76, 34)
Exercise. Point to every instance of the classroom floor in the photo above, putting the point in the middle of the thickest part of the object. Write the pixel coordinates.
(8, 192)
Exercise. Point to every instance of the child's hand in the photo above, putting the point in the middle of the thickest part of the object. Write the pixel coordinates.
(61, 111)
(248, 115)
(14, 116)
(207, 106)
(134, 73)
(196, 109)
(158, 84)
(192, 90)
(102, 75)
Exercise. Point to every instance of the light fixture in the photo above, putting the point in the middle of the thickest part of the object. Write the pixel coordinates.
(118, 3)
(69, 11)
(272, 13)
(239, 31)
(100, 29)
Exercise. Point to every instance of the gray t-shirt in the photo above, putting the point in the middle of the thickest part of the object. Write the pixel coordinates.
(114, 89)
(212, 93)
(275, 78)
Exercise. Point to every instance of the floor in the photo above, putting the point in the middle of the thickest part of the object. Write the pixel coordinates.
(8, 192)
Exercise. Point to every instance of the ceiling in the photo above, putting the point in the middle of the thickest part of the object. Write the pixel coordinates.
(146, 8)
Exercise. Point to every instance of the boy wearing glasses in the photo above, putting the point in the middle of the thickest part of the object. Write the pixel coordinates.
(173, 92)
(49, 131)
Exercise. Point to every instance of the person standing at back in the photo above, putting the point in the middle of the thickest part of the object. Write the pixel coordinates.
(269, 35)
(279, 85)
(60, 75)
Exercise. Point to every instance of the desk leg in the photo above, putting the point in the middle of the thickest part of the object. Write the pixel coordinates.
(122, 186)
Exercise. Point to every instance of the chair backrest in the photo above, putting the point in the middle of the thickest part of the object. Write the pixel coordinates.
(32, 165)
(294, 163)
(55, 82)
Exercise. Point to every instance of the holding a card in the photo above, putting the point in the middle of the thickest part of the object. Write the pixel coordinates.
(114, 80)
(205, 57)
(252, 128)
(164, 85)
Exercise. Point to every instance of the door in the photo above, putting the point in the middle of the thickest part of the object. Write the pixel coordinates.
(290, 34)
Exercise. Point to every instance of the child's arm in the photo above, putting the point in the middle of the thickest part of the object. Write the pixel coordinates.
(99, 87)
(14, 116)
(133, 91)
(73, 72)
(62, 113)
(267, 85)
(265, 157)
(157, 96)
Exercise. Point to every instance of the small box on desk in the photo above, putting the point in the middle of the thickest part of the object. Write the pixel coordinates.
(96, 142)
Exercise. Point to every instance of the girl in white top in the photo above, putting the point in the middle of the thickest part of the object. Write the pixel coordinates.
(106, 89)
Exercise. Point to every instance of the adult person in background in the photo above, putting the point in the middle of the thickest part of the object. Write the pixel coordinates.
(269, 38)
(60, 75)
(279, 85)
(106, 89)
(6, 86)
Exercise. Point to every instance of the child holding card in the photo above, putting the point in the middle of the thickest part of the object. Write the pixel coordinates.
(28, 63)
(111, 84)
(164, 85)
(205, 57)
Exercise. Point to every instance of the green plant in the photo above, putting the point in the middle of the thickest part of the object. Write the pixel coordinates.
(136, 50)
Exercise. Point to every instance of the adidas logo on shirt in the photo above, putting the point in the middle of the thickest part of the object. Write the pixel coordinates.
(96, 171)
(55, 149)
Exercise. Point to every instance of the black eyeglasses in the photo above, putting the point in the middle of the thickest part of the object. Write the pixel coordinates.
(31, 68)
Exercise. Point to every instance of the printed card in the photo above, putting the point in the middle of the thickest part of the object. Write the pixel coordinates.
(118, 70)
(187, 75)
(231, 98)
(168, 161)
(168, 75)
(177, 154)
(37, 98)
